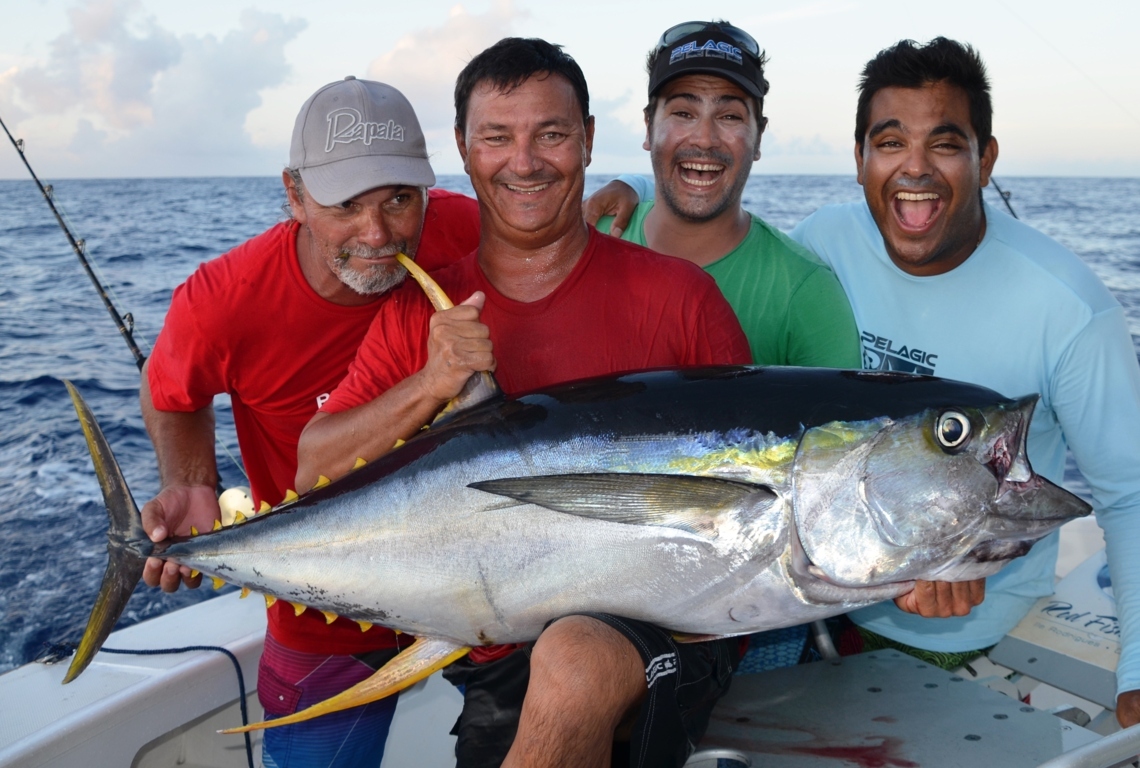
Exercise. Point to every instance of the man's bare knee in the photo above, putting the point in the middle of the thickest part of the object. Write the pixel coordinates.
(581, 658)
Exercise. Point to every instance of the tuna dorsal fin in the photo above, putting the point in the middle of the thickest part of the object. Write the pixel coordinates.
(693, 504)
(409, 666)
(481, 386)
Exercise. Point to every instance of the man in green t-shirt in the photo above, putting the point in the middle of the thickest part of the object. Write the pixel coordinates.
(703, 126)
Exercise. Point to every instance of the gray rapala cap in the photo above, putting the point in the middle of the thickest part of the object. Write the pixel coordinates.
(355, 135)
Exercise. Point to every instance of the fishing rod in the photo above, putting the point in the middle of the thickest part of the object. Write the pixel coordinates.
(1005, 196)
(125, 323)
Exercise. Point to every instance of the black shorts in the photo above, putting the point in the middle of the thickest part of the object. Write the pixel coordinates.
(684, 681)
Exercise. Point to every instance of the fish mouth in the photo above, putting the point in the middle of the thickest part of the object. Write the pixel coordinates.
(916, 212)
(1025, 500)
(1035, 508)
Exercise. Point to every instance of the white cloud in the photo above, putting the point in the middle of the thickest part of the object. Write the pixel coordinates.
(127, 97)
(424, 63)
(102, 65)
(200, 106)
(11, 113)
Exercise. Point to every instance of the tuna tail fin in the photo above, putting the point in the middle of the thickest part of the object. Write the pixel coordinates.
(124, 560)
(409, 666)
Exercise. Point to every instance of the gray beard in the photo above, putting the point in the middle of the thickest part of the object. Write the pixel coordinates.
(374, 280)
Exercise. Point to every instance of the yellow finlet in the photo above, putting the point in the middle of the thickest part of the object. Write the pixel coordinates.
(322, 481)
(244, 593)
(239, 518)
(264, 507)
(359, 463)
(269, 601)
(330, 617)
(435, 294)
(298, 609)
(397, 444)
(217, 525)
(218, 583)
(193, 531)
(290, 496)
(365, 625)
(194, 573)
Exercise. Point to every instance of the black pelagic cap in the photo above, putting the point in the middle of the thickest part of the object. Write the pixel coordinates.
(709, 48)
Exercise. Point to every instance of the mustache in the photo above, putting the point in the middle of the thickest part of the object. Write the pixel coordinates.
(706, 156)
(923, 184)
(366, 252)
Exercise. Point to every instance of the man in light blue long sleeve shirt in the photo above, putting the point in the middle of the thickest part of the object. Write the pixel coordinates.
(942, 284)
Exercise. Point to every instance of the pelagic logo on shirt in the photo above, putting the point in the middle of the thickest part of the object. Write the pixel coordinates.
(883, 354)
(346, 126)
(322, 399)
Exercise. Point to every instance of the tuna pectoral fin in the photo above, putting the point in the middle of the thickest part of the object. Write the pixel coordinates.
(414, 663)
(124, 560)
(693, 504)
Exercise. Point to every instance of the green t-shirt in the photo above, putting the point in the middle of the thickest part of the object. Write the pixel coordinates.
(791, 306)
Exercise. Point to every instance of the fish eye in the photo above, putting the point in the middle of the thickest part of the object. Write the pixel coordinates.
(952, 431)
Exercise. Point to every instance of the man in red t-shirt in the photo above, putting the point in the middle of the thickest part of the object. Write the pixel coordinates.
(549, 300)
(275, 323)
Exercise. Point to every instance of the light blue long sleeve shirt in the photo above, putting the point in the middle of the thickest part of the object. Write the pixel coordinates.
(1023, 314)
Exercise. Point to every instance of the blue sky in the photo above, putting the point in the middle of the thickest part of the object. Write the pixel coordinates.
(109, 88)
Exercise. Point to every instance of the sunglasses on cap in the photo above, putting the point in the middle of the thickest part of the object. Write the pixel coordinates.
(679, 31)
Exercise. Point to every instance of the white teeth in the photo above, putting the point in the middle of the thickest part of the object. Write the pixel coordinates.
(699, 182)
(916, 196)
(527, 190)
(702, 167)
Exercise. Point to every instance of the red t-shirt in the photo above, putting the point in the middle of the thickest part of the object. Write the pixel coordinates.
(622, 308)
(250, 325)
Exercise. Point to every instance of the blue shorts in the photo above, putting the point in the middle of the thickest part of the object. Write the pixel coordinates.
(289, 681)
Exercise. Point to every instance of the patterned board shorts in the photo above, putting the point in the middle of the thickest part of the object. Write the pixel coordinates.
(289, 681)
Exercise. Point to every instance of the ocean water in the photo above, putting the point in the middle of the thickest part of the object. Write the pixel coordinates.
(146, 236)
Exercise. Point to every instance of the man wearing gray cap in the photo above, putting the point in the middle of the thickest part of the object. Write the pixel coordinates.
(275, 323)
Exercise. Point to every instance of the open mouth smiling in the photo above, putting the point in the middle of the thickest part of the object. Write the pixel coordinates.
(701, 174)
(917, 210)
